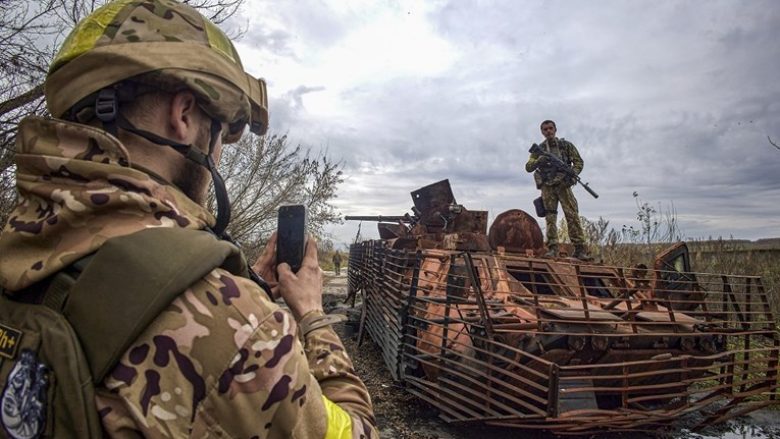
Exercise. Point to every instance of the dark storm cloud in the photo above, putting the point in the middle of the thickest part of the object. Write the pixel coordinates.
(673, 100)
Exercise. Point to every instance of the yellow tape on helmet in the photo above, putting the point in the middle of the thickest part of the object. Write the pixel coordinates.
(220, 42)
(339, 422)
(87, 32)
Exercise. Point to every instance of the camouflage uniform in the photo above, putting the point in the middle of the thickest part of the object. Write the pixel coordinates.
(556, 187)
(337, 262)
(221, 359)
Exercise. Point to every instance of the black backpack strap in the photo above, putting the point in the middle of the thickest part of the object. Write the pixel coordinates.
(131, 280)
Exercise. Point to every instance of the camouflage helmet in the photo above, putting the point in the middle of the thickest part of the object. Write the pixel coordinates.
(162, 43)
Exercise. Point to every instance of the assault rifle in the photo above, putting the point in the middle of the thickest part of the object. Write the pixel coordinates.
(560, 166)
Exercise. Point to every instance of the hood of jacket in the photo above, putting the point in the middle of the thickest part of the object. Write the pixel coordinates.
(77, 189)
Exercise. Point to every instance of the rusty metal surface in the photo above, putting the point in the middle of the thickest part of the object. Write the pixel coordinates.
(433, 196)
(516, 231)
(571, 347)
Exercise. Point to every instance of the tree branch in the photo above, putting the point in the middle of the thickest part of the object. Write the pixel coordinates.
(22, 99)
(772, 143)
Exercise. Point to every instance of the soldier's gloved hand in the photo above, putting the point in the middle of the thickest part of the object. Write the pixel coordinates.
(569, 180)
(302, 291)
(266, 266)
(543, 161)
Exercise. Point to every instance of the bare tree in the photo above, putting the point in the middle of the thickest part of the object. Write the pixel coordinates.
(262, 173)
(25, 25)
(25, 28)
(30, 31)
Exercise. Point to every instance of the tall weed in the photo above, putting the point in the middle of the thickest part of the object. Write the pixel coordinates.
(657, 228)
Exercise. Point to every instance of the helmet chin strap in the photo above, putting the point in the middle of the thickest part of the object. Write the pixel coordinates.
(220, 191)
(107, 110)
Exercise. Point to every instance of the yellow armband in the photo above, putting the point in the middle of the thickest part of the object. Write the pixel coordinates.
(339, 422)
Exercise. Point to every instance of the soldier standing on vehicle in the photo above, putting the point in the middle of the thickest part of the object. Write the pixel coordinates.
(556, 188)
(337, 262)
(143, 94)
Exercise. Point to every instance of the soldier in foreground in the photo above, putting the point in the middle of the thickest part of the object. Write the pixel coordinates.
(143, 95)
(556, 188)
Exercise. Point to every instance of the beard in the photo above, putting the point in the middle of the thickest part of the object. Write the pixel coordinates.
(192, 178)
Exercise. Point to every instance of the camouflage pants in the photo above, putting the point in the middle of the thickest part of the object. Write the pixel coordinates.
(552, 195)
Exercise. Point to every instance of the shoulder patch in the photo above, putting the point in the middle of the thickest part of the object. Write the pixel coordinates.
(24, 398)
(9, 341)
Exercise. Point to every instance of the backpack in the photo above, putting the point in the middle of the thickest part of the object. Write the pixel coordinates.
(53, 352)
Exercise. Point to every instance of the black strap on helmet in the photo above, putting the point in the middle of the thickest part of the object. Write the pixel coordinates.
(220, 191)
(107, 111)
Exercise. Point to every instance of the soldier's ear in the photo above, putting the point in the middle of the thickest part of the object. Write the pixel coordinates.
(184, 117)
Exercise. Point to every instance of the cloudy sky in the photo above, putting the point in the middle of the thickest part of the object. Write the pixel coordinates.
(671, 99)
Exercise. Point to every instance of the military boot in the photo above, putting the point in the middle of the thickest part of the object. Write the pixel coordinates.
(552, 251)
(580, 253)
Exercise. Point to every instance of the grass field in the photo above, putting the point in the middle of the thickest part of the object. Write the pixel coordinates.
(717, 256)
(760, 258)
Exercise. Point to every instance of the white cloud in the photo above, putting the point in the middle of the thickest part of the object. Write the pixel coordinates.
(672, 99)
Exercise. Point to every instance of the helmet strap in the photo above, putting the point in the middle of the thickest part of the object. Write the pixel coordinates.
(220, 191)
(107, 111)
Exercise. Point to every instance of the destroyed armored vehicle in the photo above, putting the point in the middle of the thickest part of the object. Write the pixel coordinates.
(479, 325)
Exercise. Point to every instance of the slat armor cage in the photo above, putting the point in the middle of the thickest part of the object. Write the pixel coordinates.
(564, 345)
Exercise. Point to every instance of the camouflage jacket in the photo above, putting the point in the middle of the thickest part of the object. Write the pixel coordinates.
(221, 360)
(547, 176)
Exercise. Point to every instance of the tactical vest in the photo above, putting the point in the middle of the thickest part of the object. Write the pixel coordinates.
(548, 177)
(55, 351)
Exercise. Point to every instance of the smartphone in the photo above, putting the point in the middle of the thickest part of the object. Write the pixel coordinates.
(291, 236)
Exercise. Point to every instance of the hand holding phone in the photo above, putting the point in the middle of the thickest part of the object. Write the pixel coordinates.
(291, 236)
(302, 291)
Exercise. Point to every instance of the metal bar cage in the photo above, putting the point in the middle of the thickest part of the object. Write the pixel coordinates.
(526, 342)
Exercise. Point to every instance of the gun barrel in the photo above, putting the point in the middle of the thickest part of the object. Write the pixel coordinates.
(378, 218)
(587, 188)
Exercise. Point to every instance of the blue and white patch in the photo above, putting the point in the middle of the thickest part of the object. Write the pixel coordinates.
(23, 412)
